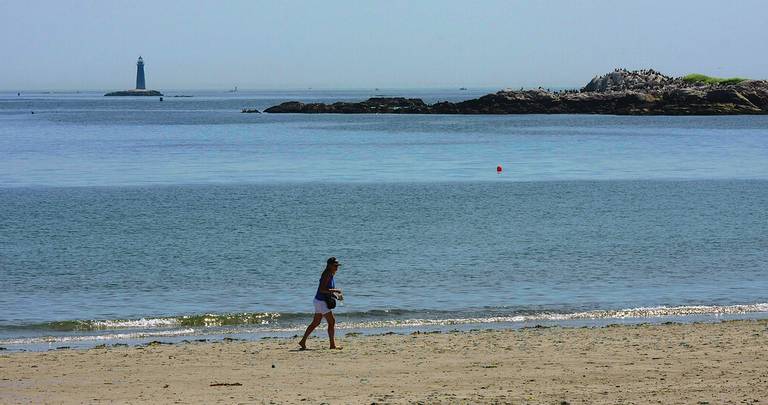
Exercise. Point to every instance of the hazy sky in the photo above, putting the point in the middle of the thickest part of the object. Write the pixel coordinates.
(363, 44)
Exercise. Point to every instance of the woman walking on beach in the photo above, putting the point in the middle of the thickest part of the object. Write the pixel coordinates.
(327, 289)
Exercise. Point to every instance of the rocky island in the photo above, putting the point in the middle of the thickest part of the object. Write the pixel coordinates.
(141, 89)
(621, 92)
(135, 92)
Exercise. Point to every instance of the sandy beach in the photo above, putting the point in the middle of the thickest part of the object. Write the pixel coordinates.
(638, 364)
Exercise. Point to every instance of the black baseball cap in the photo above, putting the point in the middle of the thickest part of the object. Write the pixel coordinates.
(332, 260)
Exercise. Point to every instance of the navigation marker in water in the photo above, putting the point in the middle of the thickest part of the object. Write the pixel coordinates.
(498, 169)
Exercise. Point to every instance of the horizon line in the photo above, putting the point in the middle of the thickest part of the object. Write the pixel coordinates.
(310, 88)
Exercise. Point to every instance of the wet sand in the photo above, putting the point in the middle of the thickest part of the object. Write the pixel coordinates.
(668, 363)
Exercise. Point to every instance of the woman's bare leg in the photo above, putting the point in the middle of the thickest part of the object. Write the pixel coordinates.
(315, 321)
(331, 329)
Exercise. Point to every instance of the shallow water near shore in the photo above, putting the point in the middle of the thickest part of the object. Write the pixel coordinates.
(131, 220)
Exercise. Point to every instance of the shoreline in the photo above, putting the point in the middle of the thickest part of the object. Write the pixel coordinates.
(88, 339)
(669, 362)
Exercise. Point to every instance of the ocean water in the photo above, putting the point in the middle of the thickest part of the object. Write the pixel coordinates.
(128, 220)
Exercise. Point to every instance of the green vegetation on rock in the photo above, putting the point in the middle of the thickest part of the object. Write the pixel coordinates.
(699, 78)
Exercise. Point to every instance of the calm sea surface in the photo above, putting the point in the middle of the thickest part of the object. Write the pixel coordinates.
(129, 219)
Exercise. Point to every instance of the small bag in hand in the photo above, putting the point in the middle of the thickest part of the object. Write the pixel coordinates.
(330, 301)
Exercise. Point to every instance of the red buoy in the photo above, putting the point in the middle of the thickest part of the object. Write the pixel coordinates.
(498, 169)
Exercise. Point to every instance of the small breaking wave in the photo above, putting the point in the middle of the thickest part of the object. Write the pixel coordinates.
(632, 313)
(204, 320)
(200, 320)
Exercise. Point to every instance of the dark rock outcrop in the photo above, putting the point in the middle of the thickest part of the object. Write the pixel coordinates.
(377, 105)
(621, 92)
(136, 92)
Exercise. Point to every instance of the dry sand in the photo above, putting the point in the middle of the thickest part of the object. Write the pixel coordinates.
(671, 363)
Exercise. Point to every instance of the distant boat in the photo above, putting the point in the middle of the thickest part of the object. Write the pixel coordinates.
(234, 90)
(462, 88)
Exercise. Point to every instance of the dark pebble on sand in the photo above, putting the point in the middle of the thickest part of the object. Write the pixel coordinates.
(237, 384)
(273, 366)
(158, 343)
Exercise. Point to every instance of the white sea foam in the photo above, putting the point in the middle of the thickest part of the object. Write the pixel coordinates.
(136, 323)
(85, 338)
